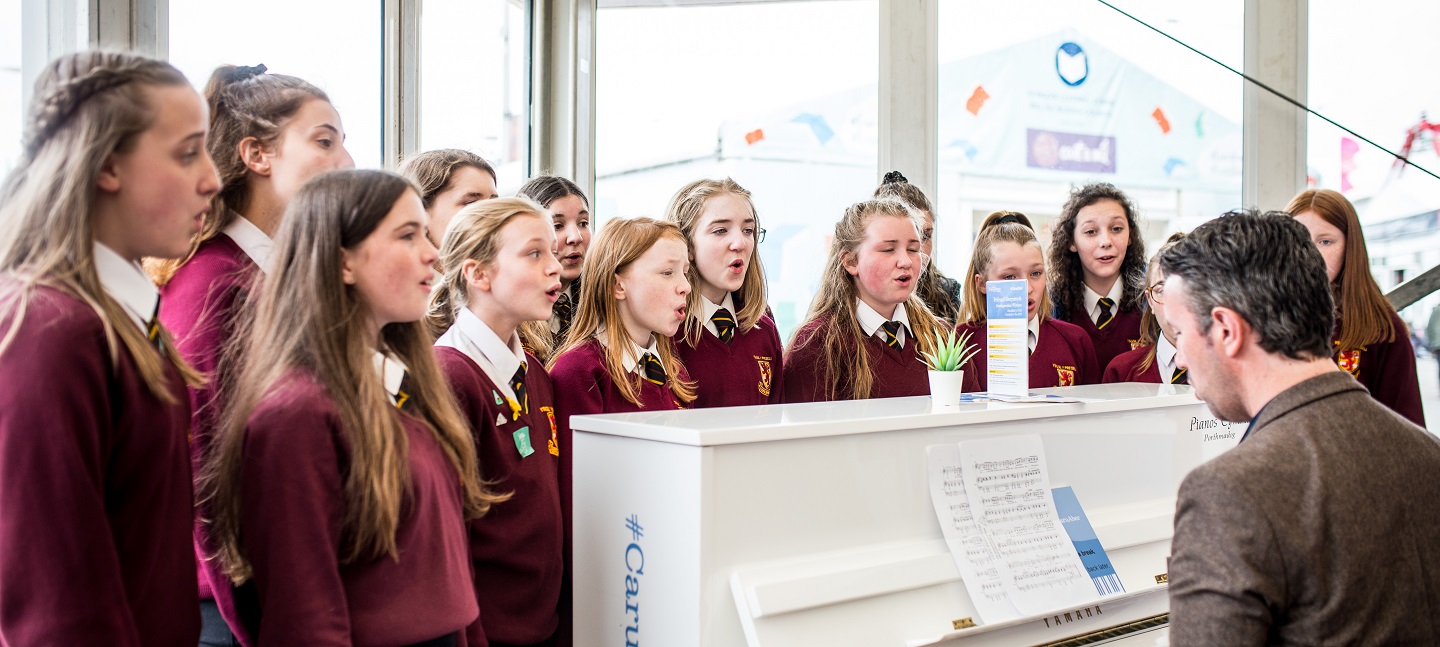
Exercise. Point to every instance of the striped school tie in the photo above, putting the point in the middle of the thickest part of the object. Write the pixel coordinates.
(1106, 316)
(564, 312)
(724, 324)
(1179, 377)
(517, 384)
(654, 370)
(892, 334)
(403, 400)
(152, 328)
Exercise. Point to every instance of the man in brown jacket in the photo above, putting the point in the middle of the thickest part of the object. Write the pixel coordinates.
(1321, 526)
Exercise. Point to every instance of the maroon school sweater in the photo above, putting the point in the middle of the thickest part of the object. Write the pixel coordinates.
(1062, 357)
(1126, 367)
(517, 548)
(1121, 336)
(898, 373)
(293, 478)
(746, 371)
(199, 306)
(583, 386)
(1387, 369)
(95, 490)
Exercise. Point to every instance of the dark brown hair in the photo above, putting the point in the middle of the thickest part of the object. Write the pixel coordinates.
(1067, 273)
(244, 102)
(434, 171)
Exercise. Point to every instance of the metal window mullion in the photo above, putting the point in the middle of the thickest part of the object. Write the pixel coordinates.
(1277, 53)
(400, 103)
(909, 90)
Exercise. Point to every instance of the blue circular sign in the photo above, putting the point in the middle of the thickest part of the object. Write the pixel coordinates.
(1072, 64)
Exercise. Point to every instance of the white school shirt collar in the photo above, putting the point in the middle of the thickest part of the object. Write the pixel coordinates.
(870, 321)
(391, 372)
(497, 359)
(1033, 338)
(633, 351)
(708, 308)
(1092, 300)
(126, 283)
(251, 240)
(1165, 359)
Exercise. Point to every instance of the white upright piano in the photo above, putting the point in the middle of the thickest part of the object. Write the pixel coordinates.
(811, 524)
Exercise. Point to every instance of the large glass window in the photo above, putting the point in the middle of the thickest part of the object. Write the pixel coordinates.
(12, 112)
(1368, 71)
(780, 96)
(1037, 97)
(474, 81)
(334, 44)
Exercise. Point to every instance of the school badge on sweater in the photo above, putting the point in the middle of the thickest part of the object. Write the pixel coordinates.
(1349, 361)
(554, 431)
(766, 374)
(1066, 375)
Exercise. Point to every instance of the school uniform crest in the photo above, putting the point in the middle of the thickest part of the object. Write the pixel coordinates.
(1349, 361)
(766, 375)
(1135, 343)
(554, 443)
(1066, 375)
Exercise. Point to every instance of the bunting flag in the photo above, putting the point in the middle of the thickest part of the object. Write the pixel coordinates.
(977, 100)
(1159, 116)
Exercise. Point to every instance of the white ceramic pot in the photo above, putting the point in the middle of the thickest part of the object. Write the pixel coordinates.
(945, 388)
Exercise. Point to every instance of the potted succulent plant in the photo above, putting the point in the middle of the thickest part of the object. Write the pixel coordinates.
(946, 364)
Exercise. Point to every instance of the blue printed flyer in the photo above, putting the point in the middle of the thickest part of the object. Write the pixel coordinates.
(1006, 333)
(1092, 554)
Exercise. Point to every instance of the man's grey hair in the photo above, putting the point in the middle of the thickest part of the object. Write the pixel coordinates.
(1264, 267)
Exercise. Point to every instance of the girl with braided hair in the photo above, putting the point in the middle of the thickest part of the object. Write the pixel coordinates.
(269, 134)
(95, 476)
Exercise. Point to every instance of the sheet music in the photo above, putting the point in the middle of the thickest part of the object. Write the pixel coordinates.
(1008, 487)
(968, 546)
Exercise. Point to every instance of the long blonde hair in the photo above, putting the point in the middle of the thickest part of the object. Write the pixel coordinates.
(473, 235)
(306, 318)
(684, 212)
(931, 285)
(244, 102)
(841, 336)
(614, 249)
(87, 107)
(998, 227)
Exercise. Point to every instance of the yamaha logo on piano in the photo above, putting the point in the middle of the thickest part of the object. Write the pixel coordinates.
(1072, 616)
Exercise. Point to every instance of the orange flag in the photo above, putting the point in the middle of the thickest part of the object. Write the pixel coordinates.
(977, 99)
(1159, 116)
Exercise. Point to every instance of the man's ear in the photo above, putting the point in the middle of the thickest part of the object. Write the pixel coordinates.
(255, 155)
(1229, 332)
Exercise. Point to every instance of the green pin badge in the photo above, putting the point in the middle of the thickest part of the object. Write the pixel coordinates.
(498, 400)
(522, 442)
